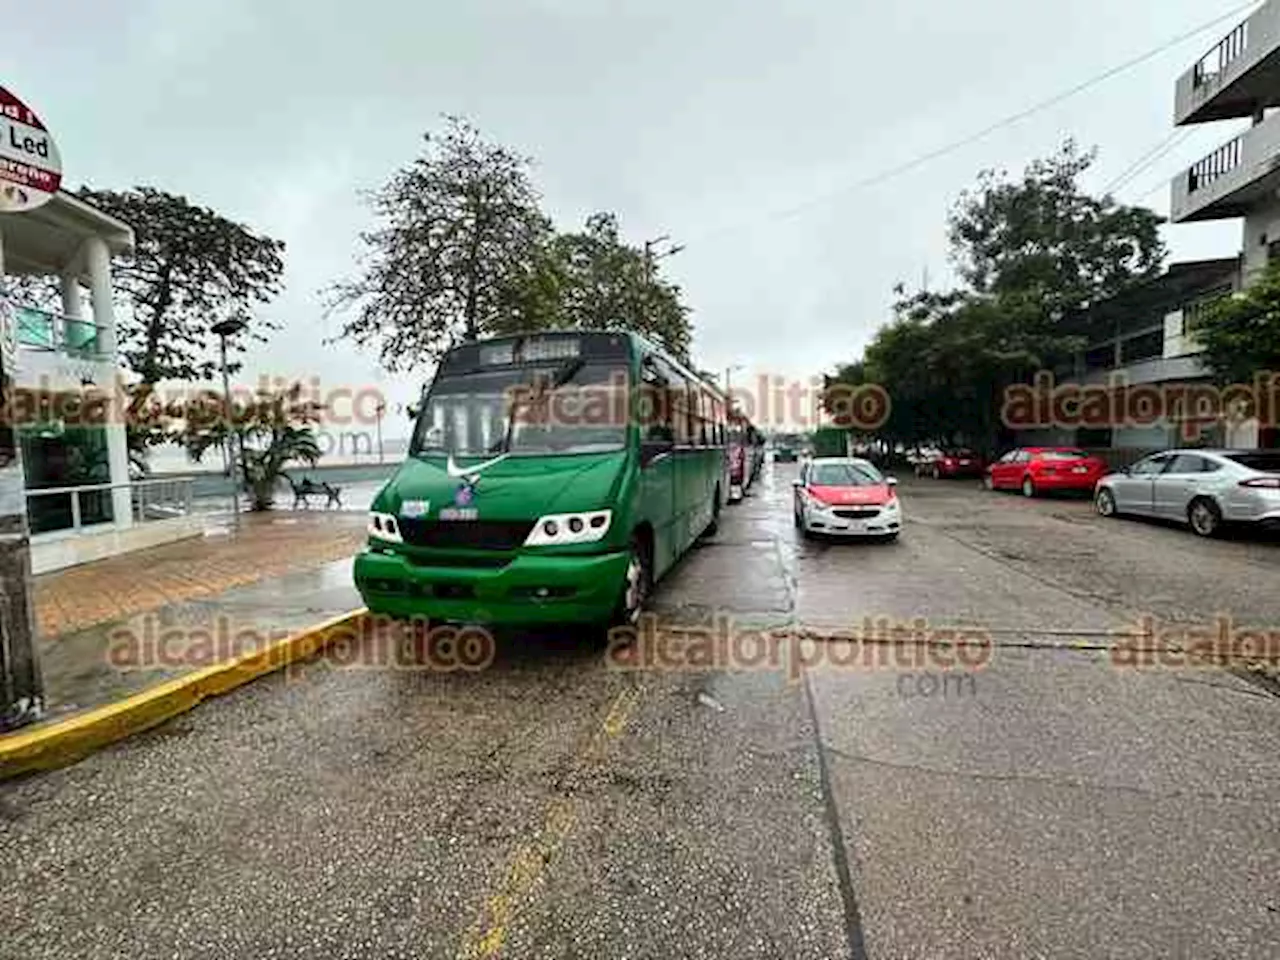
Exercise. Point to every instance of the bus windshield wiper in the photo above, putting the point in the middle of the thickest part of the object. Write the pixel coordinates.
(562, 376)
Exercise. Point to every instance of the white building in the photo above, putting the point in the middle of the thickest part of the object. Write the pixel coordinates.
(81, 504)
(1239, 78)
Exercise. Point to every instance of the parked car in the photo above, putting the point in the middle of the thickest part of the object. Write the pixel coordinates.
(1202, 488)
(921, 459)
(846, 496)
(1037, 470)
(958, 462)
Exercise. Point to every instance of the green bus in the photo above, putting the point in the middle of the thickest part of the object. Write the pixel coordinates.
(551, 478)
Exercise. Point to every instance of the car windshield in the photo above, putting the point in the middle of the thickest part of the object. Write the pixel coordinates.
(1062, 455)
(1267, 461)
(556, 409)
(845, 475)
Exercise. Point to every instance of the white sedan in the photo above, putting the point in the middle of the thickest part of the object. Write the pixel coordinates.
(846, 496)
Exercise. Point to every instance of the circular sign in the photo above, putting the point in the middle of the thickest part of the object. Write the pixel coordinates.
(30, 168)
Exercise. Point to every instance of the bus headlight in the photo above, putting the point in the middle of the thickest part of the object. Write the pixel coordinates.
(556, 529)
(383, 526)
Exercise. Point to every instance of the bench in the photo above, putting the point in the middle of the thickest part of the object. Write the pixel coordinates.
(306, 489)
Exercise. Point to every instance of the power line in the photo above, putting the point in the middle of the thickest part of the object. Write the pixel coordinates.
(1143, 161)
(895, 171)
(1147, 159)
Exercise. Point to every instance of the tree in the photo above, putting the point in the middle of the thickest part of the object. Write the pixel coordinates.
(457, 226)
(591, 280)
(191, 268)
(1029, 253)
(1044, 237)
(1240, 333)
(272, 432)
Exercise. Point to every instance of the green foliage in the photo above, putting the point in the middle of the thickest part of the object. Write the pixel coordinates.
(463, 250)
(272, 431)
(191, 268)
(456, 228)
(1240, 333)
(1028, 252)
(1044, 237)
(593, 281)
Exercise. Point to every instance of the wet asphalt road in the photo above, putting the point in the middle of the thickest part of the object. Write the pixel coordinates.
(1047, 805)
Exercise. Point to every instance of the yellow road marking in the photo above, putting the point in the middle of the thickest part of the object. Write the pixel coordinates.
(486, 937)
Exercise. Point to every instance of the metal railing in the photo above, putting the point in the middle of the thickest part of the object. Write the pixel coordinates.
(1224, 53)
(72, 508)
(1217, 164)
(42, 330)
(1195, 312)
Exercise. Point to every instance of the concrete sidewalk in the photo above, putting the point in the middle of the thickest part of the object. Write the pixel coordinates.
(115, 627)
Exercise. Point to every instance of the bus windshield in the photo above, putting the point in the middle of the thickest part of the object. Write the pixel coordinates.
(564, 408)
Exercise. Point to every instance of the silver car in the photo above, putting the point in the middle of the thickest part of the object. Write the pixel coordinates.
(1203, 488)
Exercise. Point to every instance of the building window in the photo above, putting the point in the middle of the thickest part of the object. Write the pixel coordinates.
(55, 456)
(1145, 346)
(1100, 358)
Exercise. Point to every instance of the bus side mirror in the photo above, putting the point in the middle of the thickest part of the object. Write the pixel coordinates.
(651, 450)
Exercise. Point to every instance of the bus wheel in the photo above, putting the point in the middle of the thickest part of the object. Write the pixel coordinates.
(635, 585)
(714, 525)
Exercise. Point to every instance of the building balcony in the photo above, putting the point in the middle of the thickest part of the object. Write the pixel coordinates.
(1238, 76)
(58, 353)
(1231, 180)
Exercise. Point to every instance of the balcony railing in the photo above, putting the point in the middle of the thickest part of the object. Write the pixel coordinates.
(42, 330)
(72, 508)
(1219, 163)
(1228, 50)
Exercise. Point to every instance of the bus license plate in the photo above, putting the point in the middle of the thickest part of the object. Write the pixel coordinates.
(459, 513)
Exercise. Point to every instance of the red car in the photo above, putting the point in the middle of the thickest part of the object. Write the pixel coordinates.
(956, 463)
(1035, 470)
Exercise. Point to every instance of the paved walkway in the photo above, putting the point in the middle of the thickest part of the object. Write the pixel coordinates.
(269, 545)
(111, 628)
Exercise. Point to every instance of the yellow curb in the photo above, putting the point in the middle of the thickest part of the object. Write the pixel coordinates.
(48, 746)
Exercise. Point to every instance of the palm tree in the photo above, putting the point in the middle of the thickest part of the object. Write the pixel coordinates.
(262, 465)
(271, 434)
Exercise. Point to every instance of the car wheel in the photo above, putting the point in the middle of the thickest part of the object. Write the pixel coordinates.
(890, 537)
(1204, 517)
(1028, 487)
(1105, 502)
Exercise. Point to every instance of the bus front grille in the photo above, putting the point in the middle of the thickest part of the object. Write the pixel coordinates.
(462, 534)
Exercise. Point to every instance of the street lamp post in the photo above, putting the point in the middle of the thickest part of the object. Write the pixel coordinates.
(225, 329)
(651, 258)
(382, 408)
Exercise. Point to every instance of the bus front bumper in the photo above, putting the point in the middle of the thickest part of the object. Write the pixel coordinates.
(530, 589)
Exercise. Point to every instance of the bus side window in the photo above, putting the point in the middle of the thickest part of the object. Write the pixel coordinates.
(679, 402)
(655, 404)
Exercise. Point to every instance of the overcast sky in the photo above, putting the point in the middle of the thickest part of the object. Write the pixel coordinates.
(708, 120)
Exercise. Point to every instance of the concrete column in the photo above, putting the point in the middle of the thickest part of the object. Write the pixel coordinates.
(72, 303)
(98, 260)
(21, 690)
